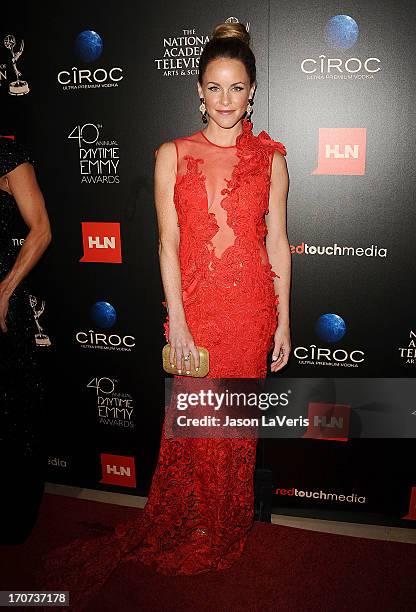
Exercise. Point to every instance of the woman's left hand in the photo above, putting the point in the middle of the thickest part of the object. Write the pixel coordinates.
(282, 348)
(4, 307)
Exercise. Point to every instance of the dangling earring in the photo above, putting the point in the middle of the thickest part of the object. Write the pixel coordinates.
(249, 110)
(203, 110)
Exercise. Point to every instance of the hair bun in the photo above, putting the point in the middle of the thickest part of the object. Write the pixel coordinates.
(231, 30)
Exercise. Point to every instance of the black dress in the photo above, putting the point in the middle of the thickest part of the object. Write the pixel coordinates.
(21, 388)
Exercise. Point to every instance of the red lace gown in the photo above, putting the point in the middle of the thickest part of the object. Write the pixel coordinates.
(200, 505)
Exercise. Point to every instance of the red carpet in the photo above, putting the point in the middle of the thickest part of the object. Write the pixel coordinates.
(282, 568)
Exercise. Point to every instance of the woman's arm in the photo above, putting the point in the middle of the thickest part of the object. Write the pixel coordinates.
(24, 187)
(180, 339)
(278, 250)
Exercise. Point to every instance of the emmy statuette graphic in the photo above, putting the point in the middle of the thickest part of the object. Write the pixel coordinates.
(18, 87)
(41, 338)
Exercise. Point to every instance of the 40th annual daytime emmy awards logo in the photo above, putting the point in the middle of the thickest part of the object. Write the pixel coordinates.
(88, 47)
(115, 408)
(17, 87)
(341, 32)
(181, 53)
(98, 158)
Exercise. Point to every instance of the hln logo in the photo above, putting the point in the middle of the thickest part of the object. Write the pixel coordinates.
(118, 470)
(411, 515)
(341, 151)
(328, 421)
(335, 152)
(323, 421)
(101, 242)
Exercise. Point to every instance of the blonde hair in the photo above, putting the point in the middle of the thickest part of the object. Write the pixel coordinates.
(231, 30)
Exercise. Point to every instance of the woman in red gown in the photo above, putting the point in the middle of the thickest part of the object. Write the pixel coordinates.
(218, 193)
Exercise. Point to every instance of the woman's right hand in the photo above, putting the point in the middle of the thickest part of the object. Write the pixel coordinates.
(181, 345)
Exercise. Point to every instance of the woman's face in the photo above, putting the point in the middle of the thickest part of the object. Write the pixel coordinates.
(226, 87)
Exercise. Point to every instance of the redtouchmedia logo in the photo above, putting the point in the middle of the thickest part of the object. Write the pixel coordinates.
(341, 151)
(118, 470)
(352, 498)
(101, 242)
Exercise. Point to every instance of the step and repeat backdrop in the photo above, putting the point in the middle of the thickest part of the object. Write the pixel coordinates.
(93, 89)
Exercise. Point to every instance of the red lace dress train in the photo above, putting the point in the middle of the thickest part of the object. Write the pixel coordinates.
(200, 505)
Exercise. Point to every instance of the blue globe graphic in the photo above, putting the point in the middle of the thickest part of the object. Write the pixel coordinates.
(341, 31)
(88, 46)
(330, 327)
(103, 314)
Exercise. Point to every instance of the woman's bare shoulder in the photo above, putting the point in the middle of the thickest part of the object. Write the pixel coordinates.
(279, 163)
(166, 150)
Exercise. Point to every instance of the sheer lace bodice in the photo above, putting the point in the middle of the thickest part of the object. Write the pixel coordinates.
(221, 197)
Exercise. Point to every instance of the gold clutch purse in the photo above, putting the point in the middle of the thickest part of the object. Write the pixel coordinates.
(203, 363)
